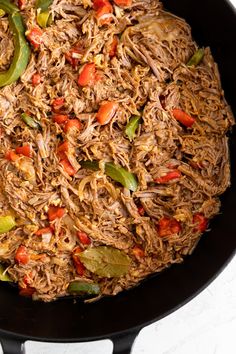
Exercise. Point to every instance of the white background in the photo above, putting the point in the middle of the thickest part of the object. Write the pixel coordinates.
(206, 325)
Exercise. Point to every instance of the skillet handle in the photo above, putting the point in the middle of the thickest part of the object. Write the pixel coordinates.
(12, 346)
(123, 343)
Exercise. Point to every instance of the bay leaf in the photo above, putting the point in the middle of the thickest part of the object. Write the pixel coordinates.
(105, 261)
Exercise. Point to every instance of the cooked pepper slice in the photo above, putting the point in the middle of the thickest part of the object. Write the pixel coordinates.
(11, 156)
(175, 174)
(132, 126)
(168, 227)
(3, 275)
(83, 288)
(43, 4)
(21, 4)
(60, 118)
(34, 36)
(196, 58)
(58, 104)
(138, 252)
(103, 7)
(62, 150)
(43, 231)
(73, 56)
(67, 167)
(27, 292)
(106, 112)
(30, 121)
(123, 3)
(183, 117)
(55, 212)
(141, 210)
(22, 256)
(83, 237)
(22, 51)
(36, 79)
(43, 15)
(6, 223)
(8, 7)
(24, 150)
(43, 19)
(90, 165)
(80, 268)
(200, 221)
(87, 76)
(113, 47)
(117, 173)
(72, 124)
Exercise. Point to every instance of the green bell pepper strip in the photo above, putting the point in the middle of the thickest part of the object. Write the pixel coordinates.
(196, 58)
(6, 223)
(22, 51)
(43, 19)
(30, 121)
(117, 173)
(43, 15)
(3, 275)
(83, 288)
(132, 126)
(90, 165)
(8, 7)
(43, 4)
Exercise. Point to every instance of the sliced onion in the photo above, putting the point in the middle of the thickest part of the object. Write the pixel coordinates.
(46, 238)
(43, 150)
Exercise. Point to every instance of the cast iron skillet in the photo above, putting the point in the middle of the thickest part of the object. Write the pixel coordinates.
(120, 318)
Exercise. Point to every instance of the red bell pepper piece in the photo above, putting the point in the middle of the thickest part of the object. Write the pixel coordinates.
(24, 150)
(78, 265)
(57, 104)
(200, 221)
(106, 112)
(138, 252)
(11, 156)
(60, 118)
(141, 211)
(55, 212)
(83, 237)
(34, 36)
(175, 174)
(62, 149)
(36, 79)
(73, 56)
(22, 256)
(28, 291)
(123, 3)
(113, 47)
(87, 76)
(183, 117)
(68, 168)
(21, 4)
(168, 226)
(45, 230)
(72, 124)
(103, 7)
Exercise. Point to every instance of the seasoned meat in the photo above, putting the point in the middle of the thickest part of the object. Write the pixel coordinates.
(111, 143)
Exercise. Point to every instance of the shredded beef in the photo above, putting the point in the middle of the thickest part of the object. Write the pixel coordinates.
(148, 76)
